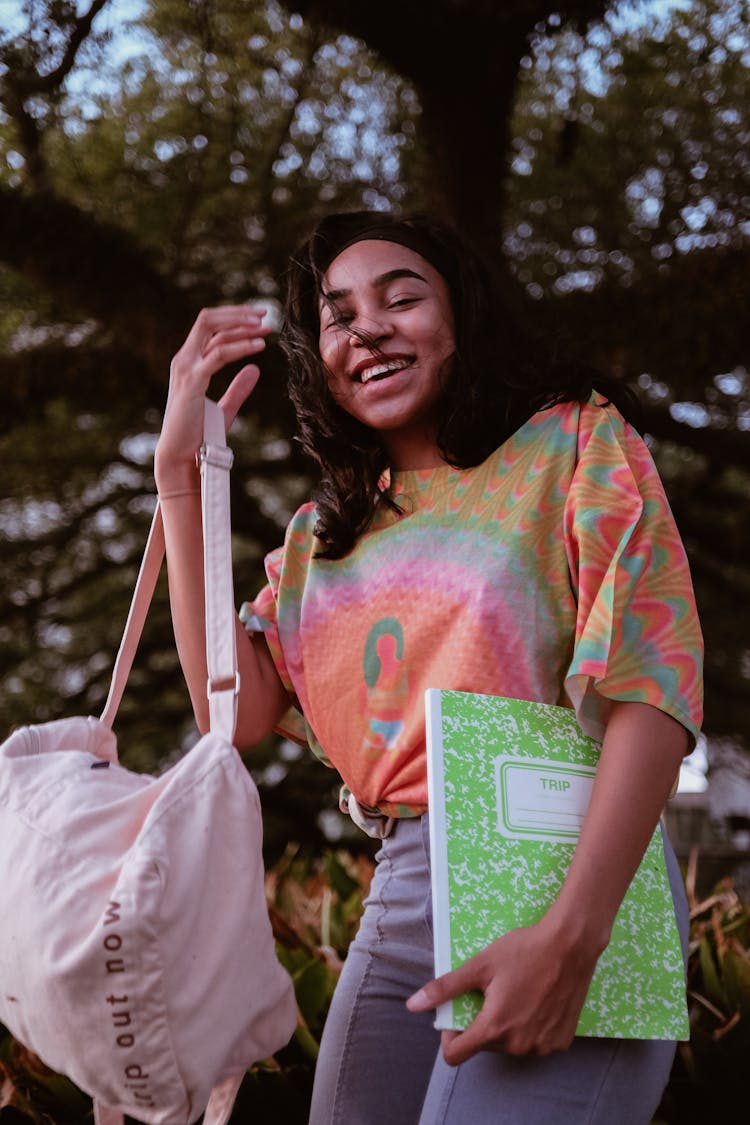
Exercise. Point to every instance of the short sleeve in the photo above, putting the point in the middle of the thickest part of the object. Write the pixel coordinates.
(262, 616)
(637, 634)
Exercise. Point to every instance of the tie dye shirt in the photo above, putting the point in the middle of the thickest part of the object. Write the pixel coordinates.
(551, 572)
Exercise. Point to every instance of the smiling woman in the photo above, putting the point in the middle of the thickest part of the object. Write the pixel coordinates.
(386, 338)
(485, 387)
(477, 526)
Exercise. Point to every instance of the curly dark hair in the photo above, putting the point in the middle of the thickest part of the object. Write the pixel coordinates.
(491, 386)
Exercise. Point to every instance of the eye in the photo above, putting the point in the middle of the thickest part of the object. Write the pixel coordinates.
(402, 302)
(338, 320)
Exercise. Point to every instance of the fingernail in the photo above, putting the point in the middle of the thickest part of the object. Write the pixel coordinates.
(419, 1001)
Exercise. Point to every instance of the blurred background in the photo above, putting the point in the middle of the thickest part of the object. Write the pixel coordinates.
(160, 155)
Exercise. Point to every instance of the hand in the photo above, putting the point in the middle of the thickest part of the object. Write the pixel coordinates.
(534, 984)
(218, 337)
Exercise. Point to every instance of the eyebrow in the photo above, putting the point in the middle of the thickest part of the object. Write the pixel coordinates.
(377, 283)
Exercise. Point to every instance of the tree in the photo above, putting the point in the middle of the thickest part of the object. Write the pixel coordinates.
(602, 164)
(628, 228)
(162, 191)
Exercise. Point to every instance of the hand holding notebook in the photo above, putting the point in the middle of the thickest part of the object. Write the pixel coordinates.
(509, 785)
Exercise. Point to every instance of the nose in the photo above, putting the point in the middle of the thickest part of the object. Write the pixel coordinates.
(366, 331)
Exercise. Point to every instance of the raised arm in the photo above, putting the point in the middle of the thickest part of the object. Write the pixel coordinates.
(219, 336)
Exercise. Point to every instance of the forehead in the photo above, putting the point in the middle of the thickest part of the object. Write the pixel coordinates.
(363, 263)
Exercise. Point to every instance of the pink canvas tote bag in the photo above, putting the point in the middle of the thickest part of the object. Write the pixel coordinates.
(136, 952)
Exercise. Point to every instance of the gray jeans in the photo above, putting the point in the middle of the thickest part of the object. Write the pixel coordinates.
(380, 1063)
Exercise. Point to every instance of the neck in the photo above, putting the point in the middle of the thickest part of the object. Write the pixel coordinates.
(417, 451)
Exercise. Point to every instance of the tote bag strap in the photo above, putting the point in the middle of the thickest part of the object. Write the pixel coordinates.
(223, 685)
(221, 645)
(142, 595)
(218, 1111)
(221, 648)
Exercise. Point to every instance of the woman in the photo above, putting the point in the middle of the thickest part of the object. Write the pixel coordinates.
(474, 528)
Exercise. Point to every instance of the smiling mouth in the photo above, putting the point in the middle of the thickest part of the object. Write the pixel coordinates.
(381, 371)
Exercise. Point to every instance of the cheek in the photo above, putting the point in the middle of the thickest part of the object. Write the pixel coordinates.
(445, 343)
(337, 381)
(443, 333)
(332, 351)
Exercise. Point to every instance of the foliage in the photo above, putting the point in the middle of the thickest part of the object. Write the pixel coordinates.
(601, 159)
(648, 177)
(209, 162)
(147, 173)
(627, 225)
(315, 904)
(708, 1077)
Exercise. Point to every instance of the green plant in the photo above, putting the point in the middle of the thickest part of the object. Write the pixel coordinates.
(31, 1092)
(708, 1079)
(315, 905)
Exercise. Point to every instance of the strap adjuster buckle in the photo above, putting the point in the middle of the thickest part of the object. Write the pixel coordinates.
(227, 683)
(221, 456)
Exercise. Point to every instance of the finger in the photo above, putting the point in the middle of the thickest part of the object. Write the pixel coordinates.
(458, 1046)
(456, 1051)
(222, 314)
(218, 355)
(223, 350)
(238, 391)
(258, 309)
(460, 980)
(238, 341)
(211, 320)
(233, 332)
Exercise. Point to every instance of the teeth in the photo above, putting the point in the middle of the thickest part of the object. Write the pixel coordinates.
(381, 369)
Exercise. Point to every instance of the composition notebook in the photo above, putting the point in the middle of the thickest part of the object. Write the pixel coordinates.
(509, 782)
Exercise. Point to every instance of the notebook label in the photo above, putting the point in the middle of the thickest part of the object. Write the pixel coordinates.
(541, 800)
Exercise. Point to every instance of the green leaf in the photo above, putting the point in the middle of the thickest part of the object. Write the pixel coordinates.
(712, 984)
(340, 879)
(736, 974)
(307, 1041)
(314, 987)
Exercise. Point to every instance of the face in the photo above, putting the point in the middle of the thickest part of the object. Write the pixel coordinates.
(392, 379)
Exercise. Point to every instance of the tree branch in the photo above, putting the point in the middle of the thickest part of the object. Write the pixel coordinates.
(635, 329)
(27, 82)
(724, 447)
(88, 376)
(22, 80)
(95, 269)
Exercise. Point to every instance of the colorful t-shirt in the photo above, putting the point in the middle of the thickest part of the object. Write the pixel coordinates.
(552, 572)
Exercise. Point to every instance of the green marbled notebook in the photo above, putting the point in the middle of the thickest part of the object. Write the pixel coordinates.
(509, 782)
